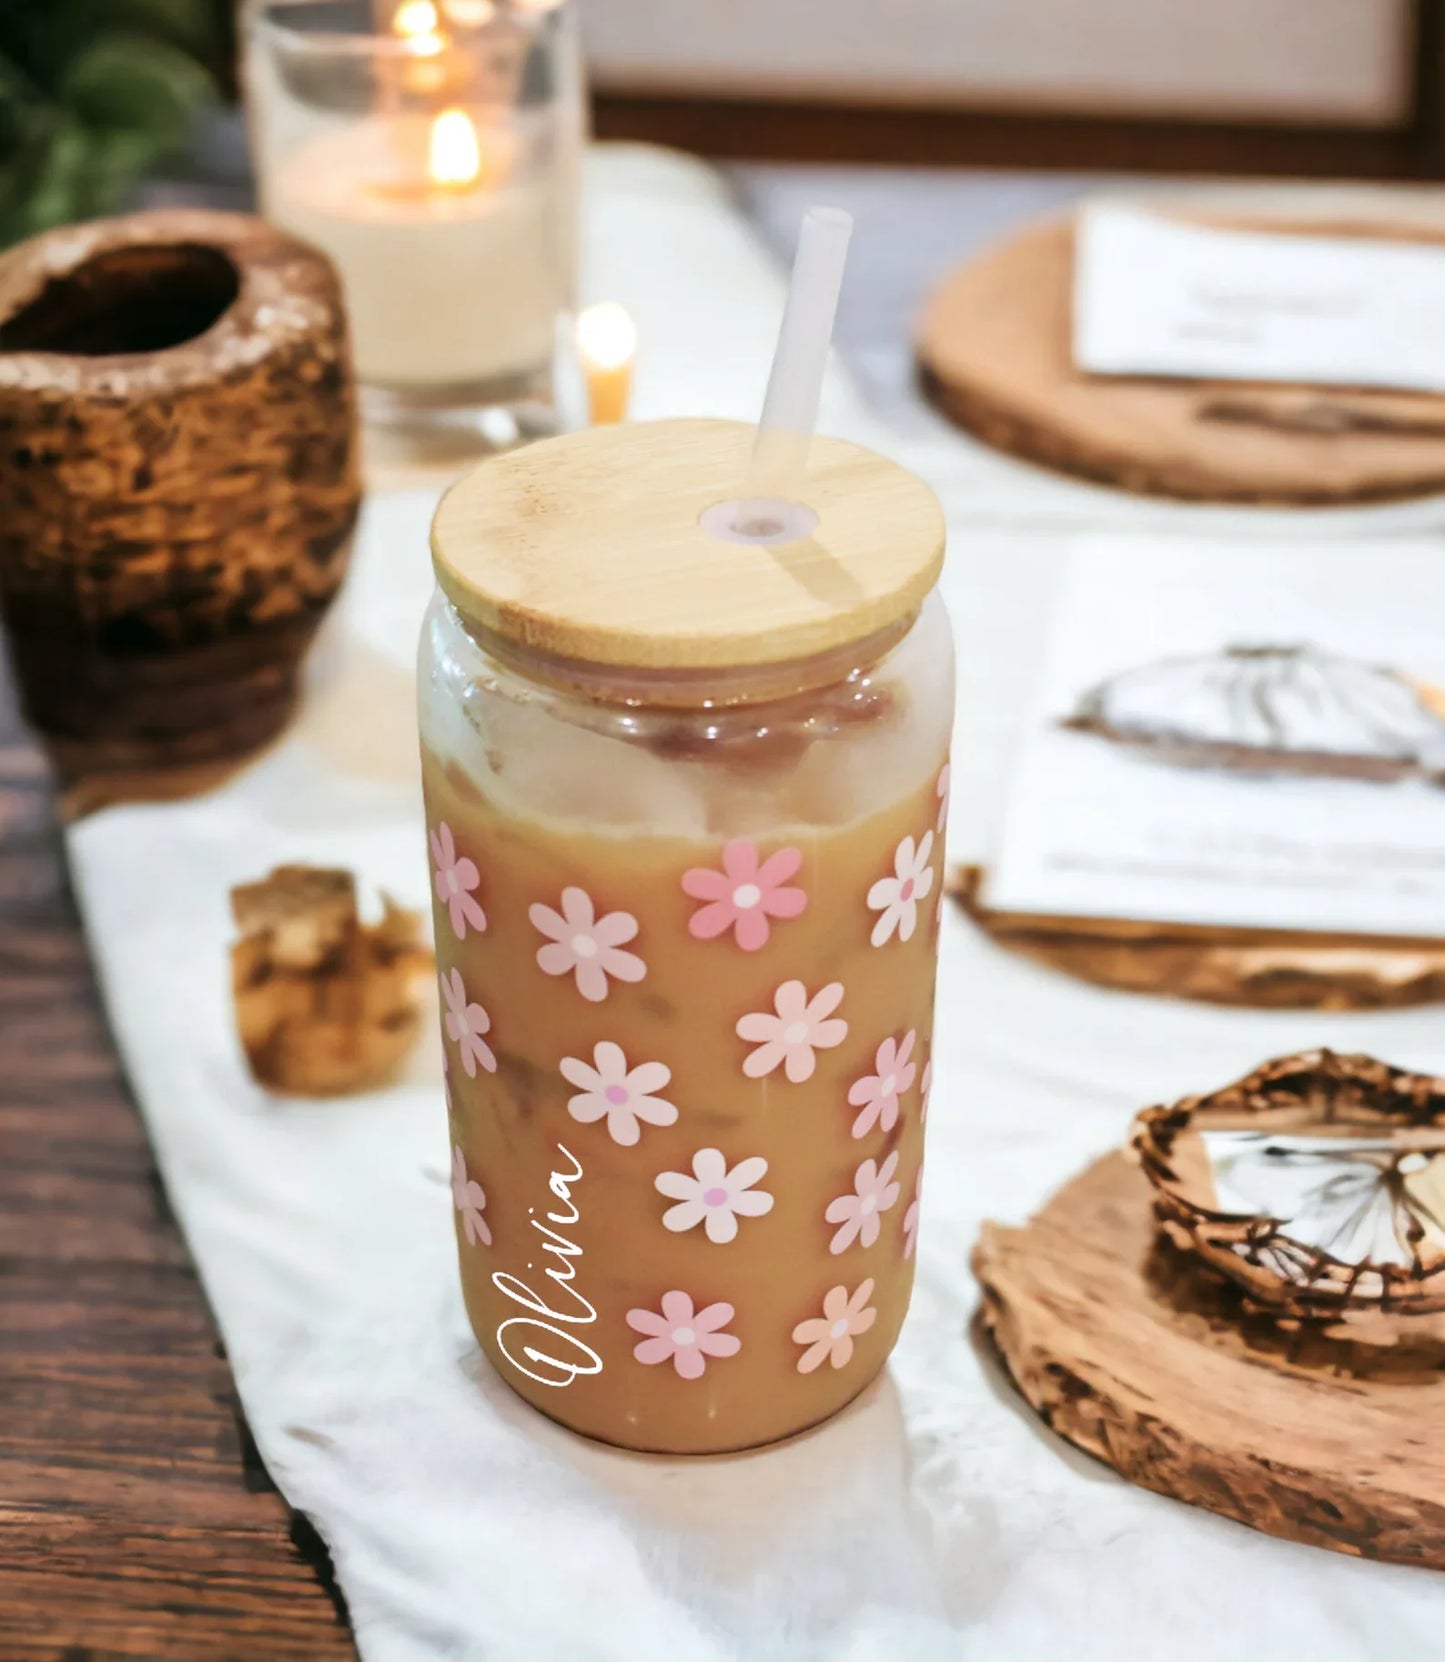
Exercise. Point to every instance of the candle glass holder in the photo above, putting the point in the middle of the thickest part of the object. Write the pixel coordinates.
(432, 148)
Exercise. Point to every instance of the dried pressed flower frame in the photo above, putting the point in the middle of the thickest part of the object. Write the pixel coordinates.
(1346, 1156)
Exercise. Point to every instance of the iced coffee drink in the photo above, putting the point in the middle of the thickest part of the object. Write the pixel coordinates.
(685, 806)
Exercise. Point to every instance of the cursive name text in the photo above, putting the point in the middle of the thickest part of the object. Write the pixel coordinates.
(536, 1345)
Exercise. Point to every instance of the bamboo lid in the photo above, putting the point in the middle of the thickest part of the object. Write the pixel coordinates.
(589, 547)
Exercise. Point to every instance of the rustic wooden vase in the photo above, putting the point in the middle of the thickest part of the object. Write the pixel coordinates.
(179, 480)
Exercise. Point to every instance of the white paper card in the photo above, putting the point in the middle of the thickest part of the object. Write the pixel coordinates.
(1157, 296)
(1237, 735)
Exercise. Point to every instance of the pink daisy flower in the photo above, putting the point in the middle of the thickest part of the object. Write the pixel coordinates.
(621, 1096)
(877, 1094)
(714, 1195)
(465, 1024)
(582, 944)
(799, 1027)
(910, 1217)
(470, 1200)
(830, 1336)
(454, 881)
(683, 1336)
(744, 894)
(896, 898)
(858, 1214)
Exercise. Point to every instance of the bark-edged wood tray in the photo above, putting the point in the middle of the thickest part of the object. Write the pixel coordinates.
(1125, 1347)
(994, 353)
(1257, 969)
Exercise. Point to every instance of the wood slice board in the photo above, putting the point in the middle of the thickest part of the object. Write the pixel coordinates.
(1125, 1348)
(1257, 969)
(993, 349)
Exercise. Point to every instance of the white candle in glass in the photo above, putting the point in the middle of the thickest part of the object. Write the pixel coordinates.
(452, 277)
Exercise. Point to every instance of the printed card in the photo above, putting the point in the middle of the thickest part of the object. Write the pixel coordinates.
(1239, 736)
(1160, 296)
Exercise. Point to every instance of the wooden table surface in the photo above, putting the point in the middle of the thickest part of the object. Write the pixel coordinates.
(135, 1517)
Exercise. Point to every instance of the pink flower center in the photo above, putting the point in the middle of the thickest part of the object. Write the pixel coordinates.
(616, 1095)
(795, 1033)
(452, 884)
(714, 1196)
(683, 1336)
(888, 1086)
(838, 1329)
(584, 946)
(906, 892)
(746, 896)
(870, 1204)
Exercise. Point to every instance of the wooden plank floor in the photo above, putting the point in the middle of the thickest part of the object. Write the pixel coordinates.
(135, 1518)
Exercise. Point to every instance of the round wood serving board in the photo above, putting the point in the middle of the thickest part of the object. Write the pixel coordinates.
(1131, 1352)
(993, 348)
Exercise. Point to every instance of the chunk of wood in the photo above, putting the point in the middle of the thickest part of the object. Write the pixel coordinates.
(325, 1003)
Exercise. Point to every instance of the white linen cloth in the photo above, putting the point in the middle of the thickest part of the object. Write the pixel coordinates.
(935, 1519)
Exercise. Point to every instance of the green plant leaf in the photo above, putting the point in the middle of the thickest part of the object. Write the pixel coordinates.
(45, 35)
(195, 25)
(21, 104)
(51, 187)
(116, 161)
(32, 36)
(92, 94)
(144, 87)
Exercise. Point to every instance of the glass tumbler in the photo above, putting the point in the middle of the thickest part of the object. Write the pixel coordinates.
(685, 802)
(432, 148)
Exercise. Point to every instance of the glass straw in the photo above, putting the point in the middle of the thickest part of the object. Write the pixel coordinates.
(790, 407)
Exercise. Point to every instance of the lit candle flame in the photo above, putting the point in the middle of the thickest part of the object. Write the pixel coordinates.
(606, 346)
(417, 24)
(454, 157)
(606, 336)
